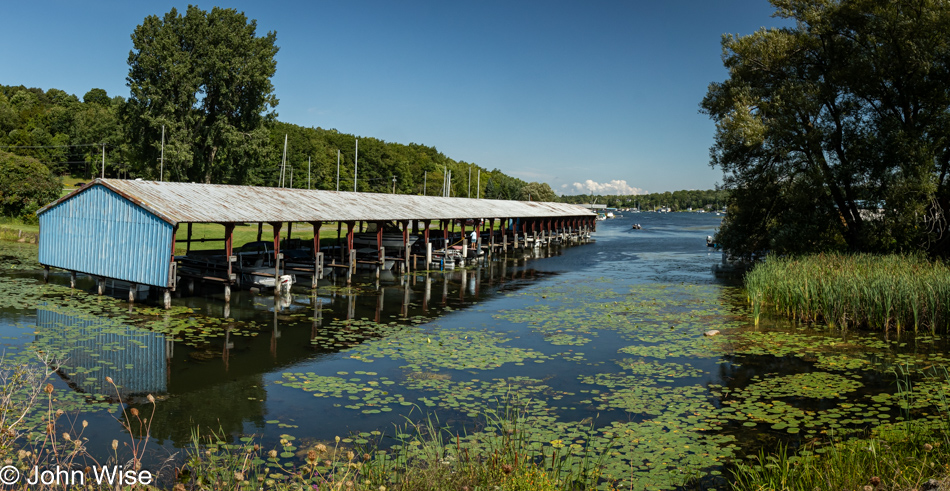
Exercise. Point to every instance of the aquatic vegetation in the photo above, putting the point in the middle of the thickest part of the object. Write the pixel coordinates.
(460, 350)
(899, 292)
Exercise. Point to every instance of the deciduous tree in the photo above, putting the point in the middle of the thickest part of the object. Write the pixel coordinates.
(205, 76)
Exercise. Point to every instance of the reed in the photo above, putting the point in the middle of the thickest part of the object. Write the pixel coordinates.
(892, 292)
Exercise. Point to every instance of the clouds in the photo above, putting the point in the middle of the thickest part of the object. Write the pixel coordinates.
(615, 187)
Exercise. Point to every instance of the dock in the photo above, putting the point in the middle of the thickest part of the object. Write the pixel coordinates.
(125, 231)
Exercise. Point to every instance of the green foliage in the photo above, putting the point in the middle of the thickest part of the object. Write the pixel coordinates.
(25, 186)
(880, 292)
(709, 200)
(205, 77)
(834, 133)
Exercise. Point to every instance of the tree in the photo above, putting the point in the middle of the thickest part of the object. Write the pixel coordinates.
(834, 133)
(25, 186)
(537, 191)
(205, 77)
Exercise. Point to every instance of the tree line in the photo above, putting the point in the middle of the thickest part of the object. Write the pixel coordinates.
(710, 199)
(68, 135)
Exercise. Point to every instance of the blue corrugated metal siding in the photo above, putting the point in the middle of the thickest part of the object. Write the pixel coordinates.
(92, 348)
(99, 232)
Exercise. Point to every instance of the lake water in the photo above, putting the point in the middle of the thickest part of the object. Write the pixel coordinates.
(599, 345)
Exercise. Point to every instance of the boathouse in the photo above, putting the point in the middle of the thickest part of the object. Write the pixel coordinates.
(125, 229)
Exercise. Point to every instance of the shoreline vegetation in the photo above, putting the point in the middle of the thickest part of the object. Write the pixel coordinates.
(889, 293)
(875, 292)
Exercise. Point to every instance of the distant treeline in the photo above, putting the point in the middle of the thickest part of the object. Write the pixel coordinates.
(68, 134)
(676, 200)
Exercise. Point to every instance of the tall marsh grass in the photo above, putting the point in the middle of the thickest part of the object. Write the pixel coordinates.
(900, 292)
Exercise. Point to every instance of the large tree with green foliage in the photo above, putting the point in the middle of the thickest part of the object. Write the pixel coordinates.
(835, 133)
(205, 77)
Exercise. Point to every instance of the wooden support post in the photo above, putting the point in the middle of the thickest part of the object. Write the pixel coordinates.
(227, 295)
(339, 243)
(167, 298)
(188, 243)
(405, 246)
(45, 274)
(478, 238)
(352, 267)
(290, 227)
(317, 255)
(317, 271)
(72, 279)
(445, 236)
(464, 248)
(100, 285)
(276, 226)
(260, 231)
(132, 289)
(428, 255)
(228, 253)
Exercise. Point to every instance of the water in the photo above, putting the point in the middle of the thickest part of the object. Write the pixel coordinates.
(604, 339)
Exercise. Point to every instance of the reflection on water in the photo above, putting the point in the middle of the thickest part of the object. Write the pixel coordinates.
(90, 348)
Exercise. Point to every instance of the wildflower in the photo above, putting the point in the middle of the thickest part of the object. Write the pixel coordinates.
(48, 389)
(238, 476)
(151, 398)
(321, 448)
(272, 454)
(179, 487)
(366, 457)
(350, 455)
(85, 423)
(875, 480)
(60, 412)
(134, 412)
(928, 447)
(115, 444)
(311, 456)
(66, 436)
(109, 380)
(507, 468)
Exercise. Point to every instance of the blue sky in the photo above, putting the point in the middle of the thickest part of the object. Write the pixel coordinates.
(595, 96)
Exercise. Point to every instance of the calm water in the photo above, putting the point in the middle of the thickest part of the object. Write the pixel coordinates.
(605, 337)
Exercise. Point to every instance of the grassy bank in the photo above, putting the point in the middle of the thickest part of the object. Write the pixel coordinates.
(899, 292)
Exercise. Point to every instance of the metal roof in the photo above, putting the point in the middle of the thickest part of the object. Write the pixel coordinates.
(178, 202)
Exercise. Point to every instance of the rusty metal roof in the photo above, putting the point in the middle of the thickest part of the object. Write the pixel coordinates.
(177, 202)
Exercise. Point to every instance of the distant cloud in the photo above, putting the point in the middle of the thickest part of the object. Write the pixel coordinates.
(615, 187)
